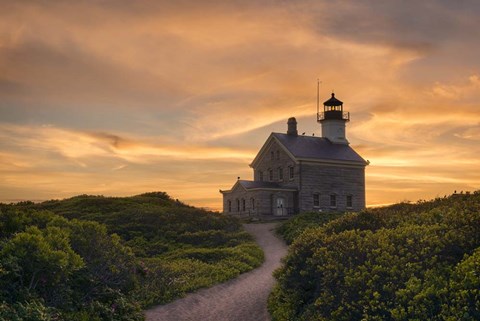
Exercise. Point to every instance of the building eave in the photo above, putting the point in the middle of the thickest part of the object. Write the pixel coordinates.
(272, 189)
(237, 183)
(333, 162)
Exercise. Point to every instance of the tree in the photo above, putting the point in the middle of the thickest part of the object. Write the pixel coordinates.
(38, 261)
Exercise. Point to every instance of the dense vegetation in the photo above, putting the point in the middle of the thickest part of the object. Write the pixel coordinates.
(295, 226)
(402, 262)
(105, 258)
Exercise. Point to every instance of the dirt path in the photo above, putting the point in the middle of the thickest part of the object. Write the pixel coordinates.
(241, 299)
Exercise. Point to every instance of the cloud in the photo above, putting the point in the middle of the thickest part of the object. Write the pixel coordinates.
(407, 24)
(458, 92)
(47, 162)
(58, 76)
(472, 133)
(84, 145)
(103, 94)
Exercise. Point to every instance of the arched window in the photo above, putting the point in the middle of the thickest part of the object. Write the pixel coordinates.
(252, 202)
(229, 206)
(278, 155)
(280, 174)
(272, 156)
(260, 176)
(243, 205)
(270, 174)
(238, 205)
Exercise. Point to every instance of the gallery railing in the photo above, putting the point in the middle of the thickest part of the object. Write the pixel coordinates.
(333, 114)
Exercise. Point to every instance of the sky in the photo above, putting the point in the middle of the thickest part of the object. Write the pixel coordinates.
(124, 97)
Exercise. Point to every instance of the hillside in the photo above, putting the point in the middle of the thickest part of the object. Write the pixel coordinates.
(106, 258)
(402, 262)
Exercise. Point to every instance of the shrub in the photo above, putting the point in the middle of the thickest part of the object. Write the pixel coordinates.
(105, 258)
(292, 228)
(33, 310)
(403, 262)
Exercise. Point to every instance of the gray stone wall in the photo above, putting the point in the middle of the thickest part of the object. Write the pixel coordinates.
(325, 181)
(240, 194)
(265, 202)
(280, 160)
(309, 178)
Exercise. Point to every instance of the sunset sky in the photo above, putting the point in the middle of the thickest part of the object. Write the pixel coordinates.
(124, 97)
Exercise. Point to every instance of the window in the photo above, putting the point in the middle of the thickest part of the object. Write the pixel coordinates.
(260, 176)
(349, 201)
(278, 155)
(238, 205)
(272, 156)
(229, 206)
(252, 200)
(316, 200)
(243, 204)
(280, 174)
(333, 200)
(291, 172)
(270, 174)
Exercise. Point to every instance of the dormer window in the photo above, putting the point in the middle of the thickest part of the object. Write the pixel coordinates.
(260, 176)
(272, 155)
(278, 155)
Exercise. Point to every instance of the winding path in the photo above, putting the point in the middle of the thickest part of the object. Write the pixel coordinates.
(240, 299)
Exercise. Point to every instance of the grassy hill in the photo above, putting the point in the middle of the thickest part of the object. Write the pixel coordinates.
(402, 262)
(106, 258)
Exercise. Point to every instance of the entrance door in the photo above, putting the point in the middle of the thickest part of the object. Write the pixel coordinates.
(281, 206)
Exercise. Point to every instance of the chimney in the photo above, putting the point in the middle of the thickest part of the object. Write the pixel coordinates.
(292, 127)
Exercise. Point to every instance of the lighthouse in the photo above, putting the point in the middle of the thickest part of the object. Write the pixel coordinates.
(333, 120)
(301, 173)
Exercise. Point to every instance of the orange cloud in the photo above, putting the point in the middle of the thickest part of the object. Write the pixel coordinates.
(179, 96)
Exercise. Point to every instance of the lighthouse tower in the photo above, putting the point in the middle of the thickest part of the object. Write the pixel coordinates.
(333, 120)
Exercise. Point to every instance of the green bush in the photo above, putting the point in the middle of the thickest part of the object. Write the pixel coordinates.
(184, 271)
(106, 258)
(463, 298)
(214, 238)
(403, 262)
(33, 310)
(295, 226)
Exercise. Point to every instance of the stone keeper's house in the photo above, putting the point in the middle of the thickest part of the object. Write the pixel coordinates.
(296, 173)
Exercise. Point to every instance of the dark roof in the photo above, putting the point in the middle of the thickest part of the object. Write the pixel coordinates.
(333, 101)
(317, 148)
(259, 184)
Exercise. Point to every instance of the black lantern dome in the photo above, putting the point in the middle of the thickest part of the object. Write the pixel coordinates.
(333, 109)
(333, 102)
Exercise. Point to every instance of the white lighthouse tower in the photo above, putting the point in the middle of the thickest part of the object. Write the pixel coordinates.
(333, 120)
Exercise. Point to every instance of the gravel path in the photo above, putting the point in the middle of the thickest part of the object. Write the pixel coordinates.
(240, 299)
